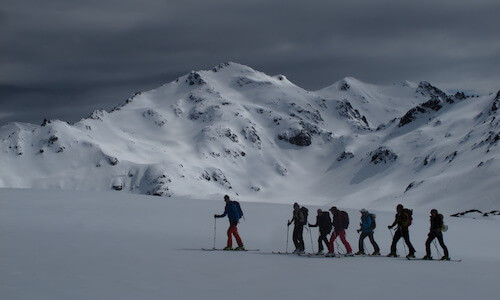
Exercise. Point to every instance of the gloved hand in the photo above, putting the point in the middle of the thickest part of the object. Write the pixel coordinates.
(309, 224)
(216, 216)
(288, 223)
(359, 230)
(390, 227)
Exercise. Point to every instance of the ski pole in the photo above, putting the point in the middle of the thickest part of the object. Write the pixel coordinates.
(404, 242)
(435, 245)
(364, 246)
(392, 235)
(215, 229)
(339, 247)
(404, 246)
(310, 234)
(287, 234)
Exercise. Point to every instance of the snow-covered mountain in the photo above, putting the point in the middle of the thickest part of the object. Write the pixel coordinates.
(233, 130)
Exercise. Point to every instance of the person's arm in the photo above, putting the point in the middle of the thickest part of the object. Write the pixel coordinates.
(394, 223)
(317, 223)
(224, 214)
(293, 219)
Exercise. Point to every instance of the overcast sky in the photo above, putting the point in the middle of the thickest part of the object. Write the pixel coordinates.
(65, 58)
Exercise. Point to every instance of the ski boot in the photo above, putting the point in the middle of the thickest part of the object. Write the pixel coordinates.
(376, 253)
(319, 253)
(392, 255)
(240, 248)
(228, 248)
(349, 254)
(446, 257)
(360, 253)
(330, 254)
(427, 257)
(410, 255)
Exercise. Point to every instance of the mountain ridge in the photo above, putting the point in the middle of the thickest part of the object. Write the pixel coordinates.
(235, 130)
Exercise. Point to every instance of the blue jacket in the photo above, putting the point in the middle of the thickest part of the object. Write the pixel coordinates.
(366, 223)
(232, 211)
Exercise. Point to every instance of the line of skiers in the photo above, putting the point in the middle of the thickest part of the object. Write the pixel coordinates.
(339, 223)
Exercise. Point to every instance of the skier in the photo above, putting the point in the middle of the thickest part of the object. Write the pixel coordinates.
(340, 223)
(367, 226)
(403, 220)
(234, 213)
(436, 231)
(325, 227)
(299, 220)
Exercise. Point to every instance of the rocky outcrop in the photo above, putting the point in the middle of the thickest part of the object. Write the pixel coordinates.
(345, 155)
(382, 155)
(299, 138)
(194, 78)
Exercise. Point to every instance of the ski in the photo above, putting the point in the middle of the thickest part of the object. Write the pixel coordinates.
(453, 260)
(314, 255)
(218, 249)
(283, 253)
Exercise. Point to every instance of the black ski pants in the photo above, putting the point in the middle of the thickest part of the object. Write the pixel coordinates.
(322, 239)
(362, 237)
(405, 234)
(298, 239)
(432, 235)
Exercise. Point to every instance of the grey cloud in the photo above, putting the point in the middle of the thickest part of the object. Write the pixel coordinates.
(67, 57)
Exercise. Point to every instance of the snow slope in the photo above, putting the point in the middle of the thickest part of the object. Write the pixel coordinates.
(107, 245)
(379, 104)
(234, 130)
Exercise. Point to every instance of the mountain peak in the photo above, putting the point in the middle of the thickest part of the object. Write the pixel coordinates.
(347, 83)
(426, 89)
(407, 83)
(232, 66)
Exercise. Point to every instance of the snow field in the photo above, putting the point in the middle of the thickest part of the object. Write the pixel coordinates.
(113, 245)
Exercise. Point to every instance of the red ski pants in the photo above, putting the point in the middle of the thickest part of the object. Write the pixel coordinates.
(233, 230)
(341, 234)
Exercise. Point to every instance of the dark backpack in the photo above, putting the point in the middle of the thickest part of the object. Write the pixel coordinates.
(345, 219)
(305, 213)
(237, 209)
(409, 213)
(325, 222)
(373, 225)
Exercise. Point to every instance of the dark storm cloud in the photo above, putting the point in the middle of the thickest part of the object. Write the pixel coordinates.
(63, 59)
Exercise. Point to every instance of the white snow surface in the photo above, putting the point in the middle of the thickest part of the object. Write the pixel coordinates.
(234, 130)
(108, 245)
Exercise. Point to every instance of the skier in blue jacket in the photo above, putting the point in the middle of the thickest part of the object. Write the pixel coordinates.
(233, 213)
(367, 226)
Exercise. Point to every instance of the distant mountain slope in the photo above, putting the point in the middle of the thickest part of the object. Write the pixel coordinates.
(239, 131)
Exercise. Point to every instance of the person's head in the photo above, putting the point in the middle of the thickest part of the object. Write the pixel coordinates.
(296, 205)
(226, 198)
(334, 209)
(399, 208)
(434, 212)
(363, 211)
(319, 211)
